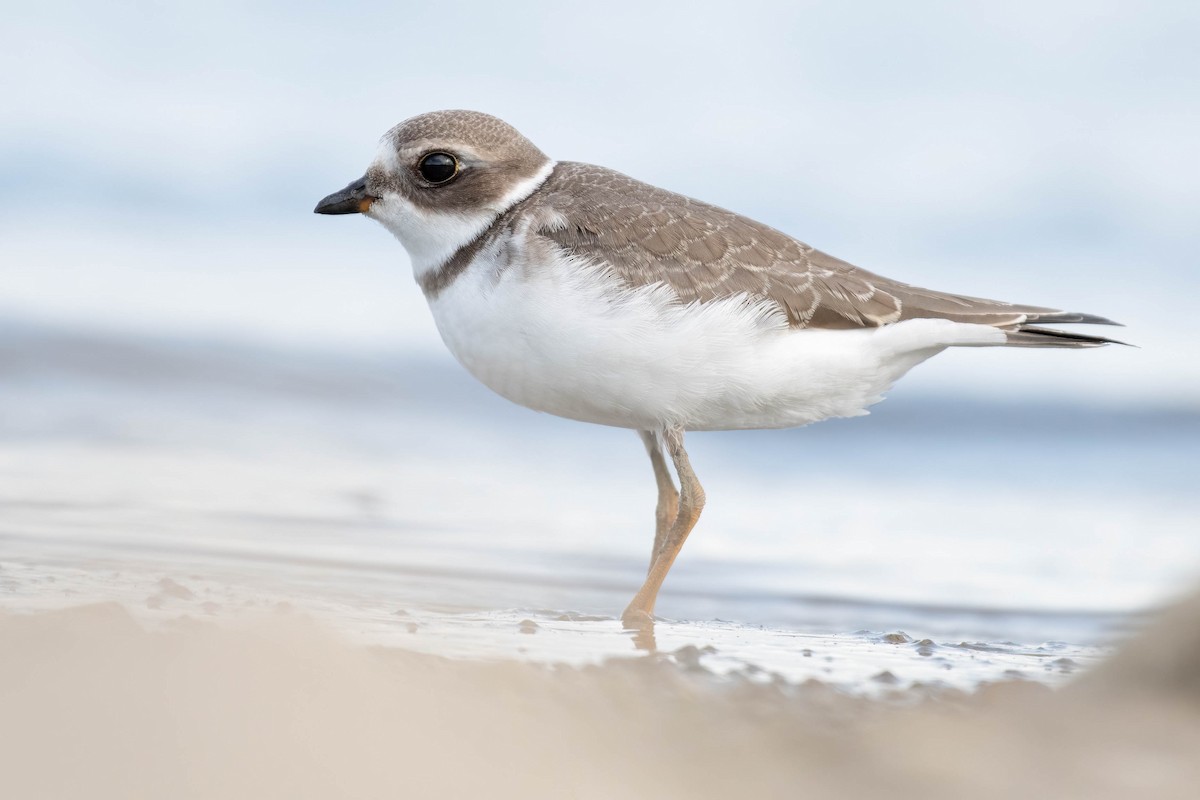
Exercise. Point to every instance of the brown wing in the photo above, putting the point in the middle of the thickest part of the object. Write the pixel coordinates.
(648, 235)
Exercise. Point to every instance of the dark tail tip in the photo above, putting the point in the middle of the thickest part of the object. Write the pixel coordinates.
(1034, 336)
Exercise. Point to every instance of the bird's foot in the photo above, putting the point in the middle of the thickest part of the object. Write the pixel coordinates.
(641, 624)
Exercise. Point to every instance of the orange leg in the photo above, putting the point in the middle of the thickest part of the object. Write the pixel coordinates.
(691, 502)
(668, 496)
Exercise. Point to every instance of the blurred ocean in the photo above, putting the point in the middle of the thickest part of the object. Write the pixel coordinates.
(398, 482)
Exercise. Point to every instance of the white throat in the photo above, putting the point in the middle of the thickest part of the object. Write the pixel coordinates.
(432, 237)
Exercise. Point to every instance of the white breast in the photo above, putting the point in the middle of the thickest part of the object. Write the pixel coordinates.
(569, 339)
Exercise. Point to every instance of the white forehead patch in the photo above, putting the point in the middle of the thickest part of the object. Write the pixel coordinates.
(386, 157)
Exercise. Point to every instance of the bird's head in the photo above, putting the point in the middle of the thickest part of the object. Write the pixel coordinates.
(439, 179)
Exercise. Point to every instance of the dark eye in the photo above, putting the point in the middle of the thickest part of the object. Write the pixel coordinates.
(438, 167)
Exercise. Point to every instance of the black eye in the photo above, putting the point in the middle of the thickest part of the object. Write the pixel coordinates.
(438, 167)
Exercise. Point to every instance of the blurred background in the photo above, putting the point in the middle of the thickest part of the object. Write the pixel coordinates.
(195, 369)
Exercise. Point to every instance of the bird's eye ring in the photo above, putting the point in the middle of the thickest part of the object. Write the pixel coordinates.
(438, 168)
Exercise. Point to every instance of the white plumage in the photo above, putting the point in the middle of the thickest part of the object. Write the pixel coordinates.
(570, 340)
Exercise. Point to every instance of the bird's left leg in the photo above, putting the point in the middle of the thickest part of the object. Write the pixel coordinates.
(668, 496)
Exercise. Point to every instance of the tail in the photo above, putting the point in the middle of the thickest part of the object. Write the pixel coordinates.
(1026, 335)
(1022, 325)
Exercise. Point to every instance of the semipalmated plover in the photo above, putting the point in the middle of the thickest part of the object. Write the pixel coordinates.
(575, 290)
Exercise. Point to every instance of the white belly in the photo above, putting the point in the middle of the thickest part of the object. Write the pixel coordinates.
(572, 341)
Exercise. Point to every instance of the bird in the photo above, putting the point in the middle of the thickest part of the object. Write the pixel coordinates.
(578, 291)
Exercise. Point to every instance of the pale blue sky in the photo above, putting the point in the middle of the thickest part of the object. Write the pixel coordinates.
(159, 163)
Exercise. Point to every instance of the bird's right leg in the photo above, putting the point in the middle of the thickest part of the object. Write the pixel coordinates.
(668, 496)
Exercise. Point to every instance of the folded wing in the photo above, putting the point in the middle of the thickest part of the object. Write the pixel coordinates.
(647, 235)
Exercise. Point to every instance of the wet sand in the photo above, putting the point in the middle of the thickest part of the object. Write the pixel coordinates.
(275, 705)
(383, 610)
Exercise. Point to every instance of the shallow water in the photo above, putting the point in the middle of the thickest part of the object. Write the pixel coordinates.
(938, 542)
